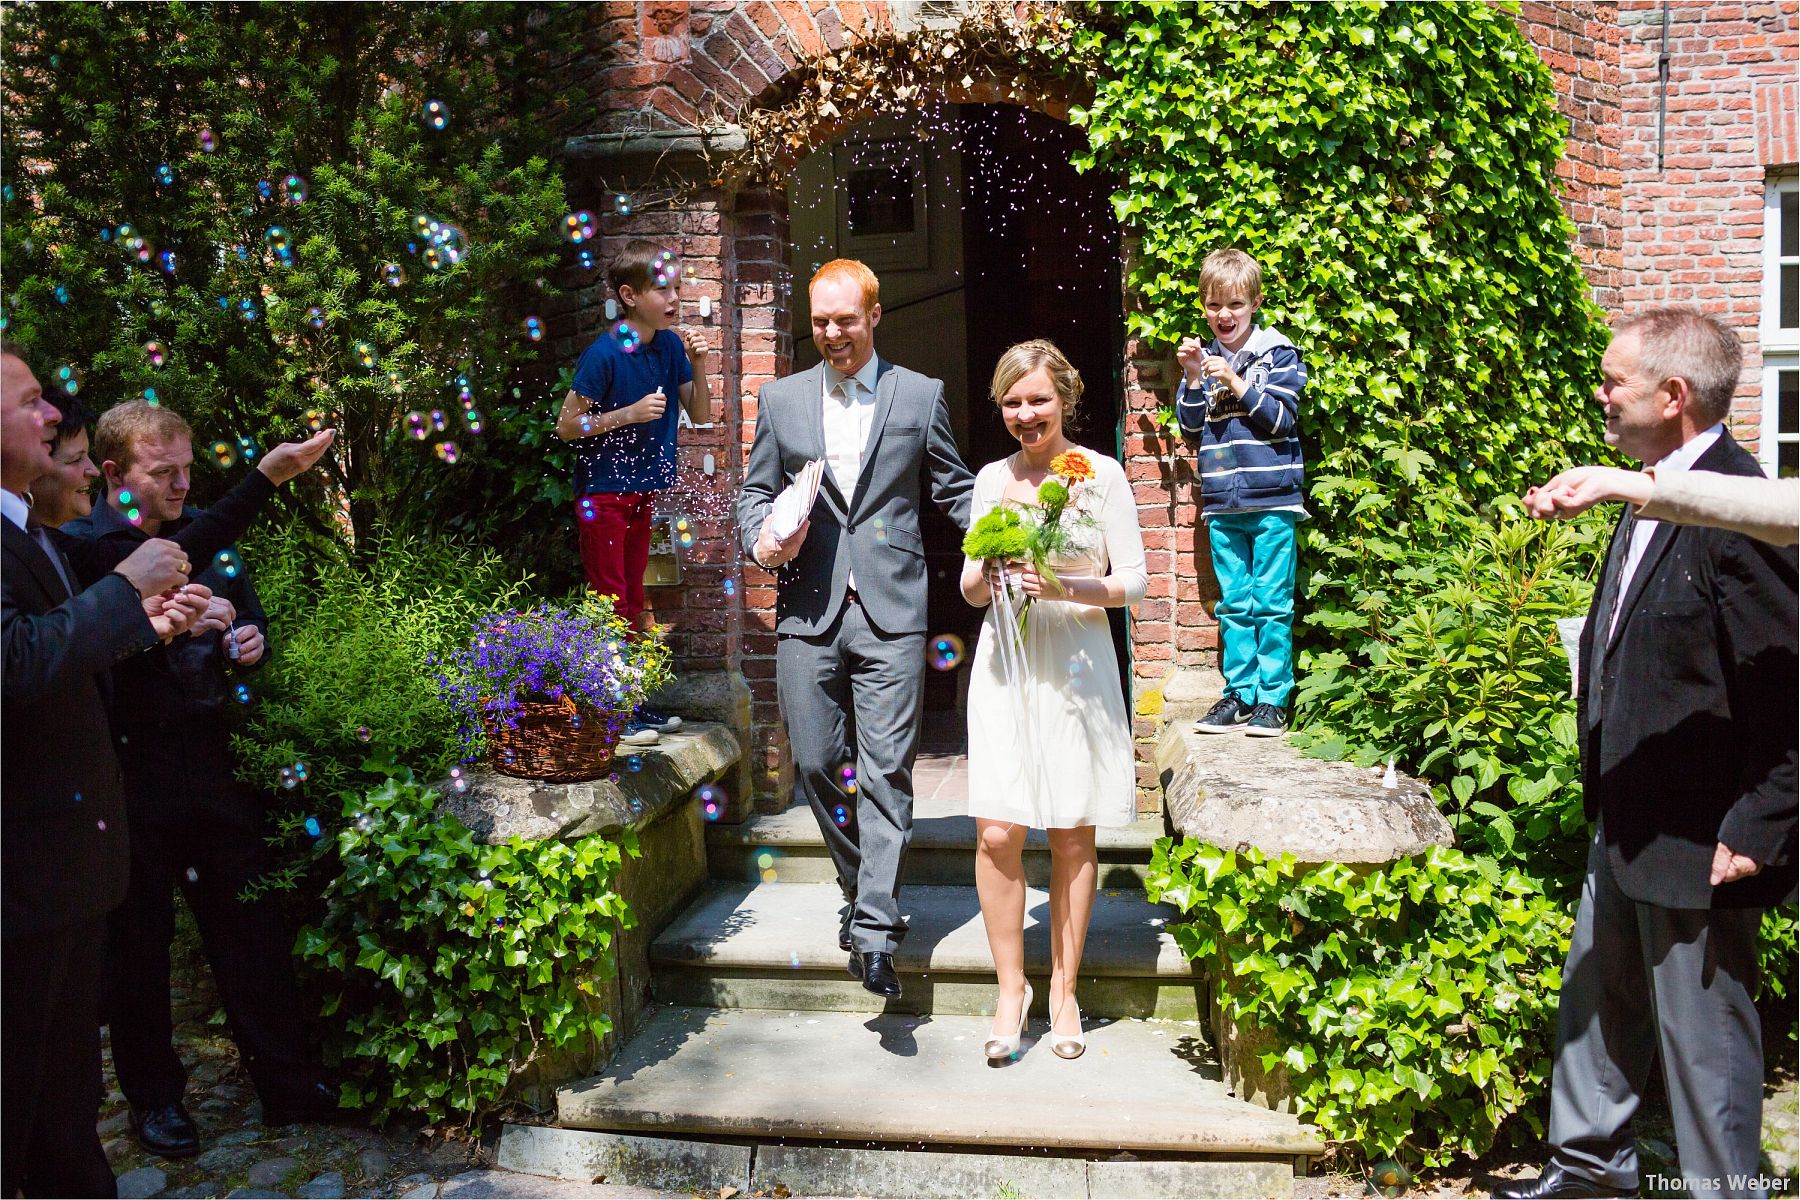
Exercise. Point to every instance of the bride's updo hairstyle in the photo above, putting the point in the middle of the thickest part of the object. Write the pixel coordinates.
(1026, 357)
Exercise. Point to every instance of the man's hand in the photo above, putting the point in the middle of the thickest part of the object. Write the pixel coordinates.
(1580, 488)
(1729, 868)
(772, 552)
(176, 611)
(696, 349)
(292, 459)
(219, 614)
(649, 408)
(250, 645)
(155, 567)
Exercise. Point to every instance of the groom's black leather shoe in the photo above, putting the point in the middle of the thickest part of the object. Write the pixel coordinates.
(1555, 1182)
(166, 1131)
(876, 970)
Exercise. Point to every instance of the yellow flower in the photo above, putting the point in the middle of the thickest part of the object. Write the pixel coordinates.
(1073, 466)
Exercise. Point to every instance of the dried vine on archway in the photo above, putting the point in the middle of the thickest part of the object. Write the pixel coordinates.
(1016, 49)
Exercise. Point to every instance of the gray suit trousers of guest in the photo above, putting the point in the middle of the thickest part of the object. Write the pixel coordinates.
(856, 669)
(1644, 981)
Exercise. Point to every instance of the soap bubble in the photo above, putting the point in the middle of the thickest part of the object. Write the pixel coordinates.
(316, 419)
(366, 357)
(579, 227)
(944, 652)
(278, 241)
(847, 778)
(312, 827)
(585, 260)
(265, 190)
(223, 454)
(436, 115)
(62, 294)
(629, 338)
(396, 380)
(151, 398)
(584, 508)
(242, 693)
(448, 451)
(393, 274)
(315, 316)
(457, 781)
(438, 420)
(166, 262)
(622, 205)
(139, 248)
(364, 733)
(155, 353)
(246, 447)
(475, 422)
(417, 427)
(534, 329)
(228, 563)
(134, 515)
(165, 175)
(730, 586)
(294, 188)
(209, 141)
(635, 762)
(713, 800)
(287, 779)
(192, 875)
(300, 770)
(841, 815)
(248, 310)
(880, 530)
(69, 378)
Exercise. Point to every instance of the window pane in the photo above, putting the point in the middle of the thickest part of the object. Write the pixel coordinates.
(1787, 392)
(1790, 224)
(1787, 460)
(1790, 296)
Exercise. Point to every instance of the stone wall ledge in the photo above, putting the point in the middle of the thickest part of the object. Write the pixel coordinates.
(643, 784)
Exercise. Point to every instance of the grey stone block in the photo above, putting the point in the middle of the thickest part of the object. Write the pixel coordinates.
(1189, 1180)
(671, 1164)
(270, 1172)
(143, 1182)
(830, 1171)
(223, 1160)
(374, 1163)
(329, 1186)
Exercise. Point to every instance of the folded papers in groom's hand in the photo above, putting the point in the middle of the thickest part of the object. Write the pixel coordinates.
(795, 503)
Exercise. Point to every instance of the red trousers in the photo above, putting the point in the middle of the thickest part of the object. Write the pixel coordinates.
(615, 547)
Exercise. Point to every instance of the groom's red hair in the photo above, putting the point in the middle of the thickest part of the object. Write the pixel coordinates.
(849, 270)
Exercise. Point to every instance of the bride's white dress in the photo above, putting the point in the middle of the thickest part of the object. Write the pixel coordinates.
(1055, 753)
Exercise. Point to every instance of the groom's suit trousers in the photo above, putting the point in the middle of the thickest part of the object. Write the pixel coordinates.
(858, 671)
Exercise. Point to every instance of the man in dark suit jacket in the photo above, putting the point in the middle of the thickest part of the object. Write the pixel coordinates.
(1688, 709)
(62, 814)
(851, 599)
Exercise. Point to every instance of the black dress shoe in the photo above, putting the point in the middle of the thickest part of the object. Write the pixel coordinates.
(166, 1131)
(1555, 1181)
(876, 970)
(315, 1104)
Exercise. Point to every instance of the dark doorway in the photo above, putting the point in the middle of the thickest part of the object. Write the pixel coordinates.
(1040, 260)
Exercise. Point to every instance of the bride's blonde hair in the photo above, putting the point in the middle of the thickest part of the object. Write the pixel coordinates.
(1026, 357)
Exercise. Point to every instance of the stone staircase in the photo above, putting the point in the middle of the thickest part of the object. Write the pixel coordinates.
(762, 1044)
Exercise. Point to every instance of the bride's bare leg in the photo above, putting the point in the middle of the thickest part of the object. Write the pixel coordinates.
(1000, 883)
(1074, 873)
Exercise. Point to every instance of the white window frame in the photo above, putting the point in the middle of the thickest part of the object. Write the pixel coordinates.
(1780, 347)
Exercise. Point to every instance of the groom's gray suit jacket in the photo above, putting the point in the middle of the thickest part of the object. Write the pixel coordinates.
(875, 532)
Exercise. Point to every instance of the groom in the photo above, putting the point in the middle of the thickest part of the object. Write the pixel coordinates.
(850, 604)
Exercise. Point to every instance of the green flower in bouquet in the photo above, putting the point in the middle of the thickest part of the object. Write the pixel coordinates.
(1000, 533)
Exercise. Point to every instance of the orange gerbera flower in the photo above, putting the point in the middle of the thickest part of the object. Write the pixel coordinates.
(1073, 466)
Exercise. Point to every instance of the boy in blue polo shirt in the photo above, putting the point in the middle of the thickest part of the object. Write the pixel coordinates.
(618, 414)
(1240, 397)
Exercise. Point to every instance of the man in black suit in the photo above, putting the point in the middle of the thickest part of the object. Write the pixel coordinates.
(63, 852)
(1688, 708)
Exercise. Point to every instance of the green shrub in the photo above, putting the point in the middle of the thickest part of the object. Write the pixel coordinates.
(1446, 658)
(349, 652)
(1415, 1006)
(447, 966)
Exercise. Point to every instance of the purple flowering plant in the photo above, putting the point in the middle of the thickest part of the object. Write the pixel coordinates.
(580, 650)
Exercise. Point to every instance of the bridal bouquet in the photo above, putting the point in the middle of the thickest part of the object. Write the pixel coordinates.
(1032, 532)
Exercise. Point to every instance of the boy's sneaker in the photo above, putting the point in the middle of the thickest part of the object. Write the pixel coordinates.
(662, 722)
(1266, 720)
(1224, 716)
(636, 733)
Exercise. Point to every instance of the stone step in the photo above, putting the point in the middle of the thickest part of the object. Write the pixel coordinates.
(685, 1166)
(922, 1081)
(942, 850)
(774, 946)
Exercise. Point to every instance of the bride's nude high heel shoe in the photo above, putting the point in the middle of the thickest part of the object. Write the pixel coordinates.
(1067, 1045)
(998, 1049)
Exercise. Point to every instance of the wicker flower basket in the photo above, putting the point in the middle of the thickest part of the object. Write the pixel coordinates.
(556, 740)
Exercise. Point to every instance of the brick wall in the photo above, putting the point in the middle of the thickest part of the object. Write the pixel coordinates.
(1693, 229)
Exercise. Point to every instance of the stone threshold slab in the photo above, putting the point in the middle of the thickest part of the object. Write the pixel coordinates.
(795, 926)
(923, 1080)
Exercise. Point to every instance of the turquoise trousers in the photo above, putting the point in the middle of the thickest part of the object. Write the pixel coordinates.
(1253, 557)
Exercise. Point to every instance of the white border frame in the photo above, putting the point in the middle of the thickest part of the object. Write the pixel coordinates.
(1780, 347)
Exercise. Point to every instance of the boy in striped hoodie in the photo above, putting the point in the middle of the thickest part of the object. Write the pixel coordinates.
(1239, 398)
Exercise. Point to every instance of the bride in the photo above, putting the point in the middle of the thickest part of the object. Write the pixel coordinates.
(1049, 736)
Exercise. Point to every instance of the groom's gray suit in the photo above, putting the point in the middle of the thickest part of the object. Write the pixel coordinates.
(844, 656)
